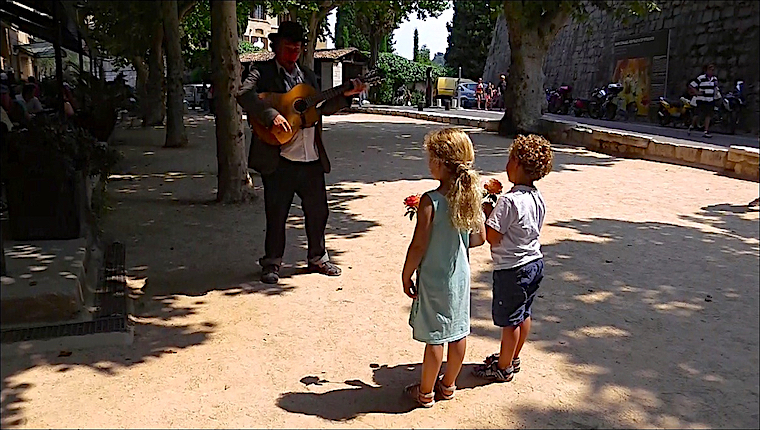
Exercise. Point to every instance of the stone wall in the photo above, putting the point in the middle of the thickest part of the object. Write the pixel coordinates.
(724, 32)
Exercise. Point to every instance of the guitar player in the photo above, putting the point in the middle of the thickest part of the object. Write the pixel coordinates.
(297, 167)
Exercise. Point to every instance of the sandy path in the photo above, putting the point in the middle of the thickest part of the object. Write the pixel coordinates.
(624, 336)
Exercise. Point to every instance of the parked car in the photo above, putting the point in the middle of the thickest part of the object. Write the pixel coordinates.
(466, 95)
(445, 87)
(193, 95)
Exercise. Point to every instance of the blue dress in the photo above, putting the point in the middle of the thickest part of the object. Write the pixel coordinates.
(441, 311)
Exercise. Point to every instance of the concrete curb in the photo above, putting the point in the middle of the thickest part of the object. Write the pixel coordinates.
(740, 161)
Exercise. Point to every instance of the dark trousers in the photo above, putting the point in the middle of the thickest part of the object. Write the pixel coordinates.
(307, 181)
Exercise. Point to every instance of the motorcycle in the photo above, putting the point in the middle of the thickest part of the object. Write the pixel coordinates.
(560, 100)
(675, 111)
(608, 109)
(728, 111)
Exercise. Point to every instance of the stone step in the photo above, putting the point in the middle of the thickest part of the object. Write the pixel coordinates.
(109, 322)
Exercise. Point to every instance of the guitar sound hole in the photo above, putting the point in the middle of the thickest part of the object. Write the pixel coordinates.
(300, 106)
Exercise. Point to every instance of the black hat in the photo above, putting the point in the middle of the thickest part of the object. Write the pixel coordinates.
(289, 30)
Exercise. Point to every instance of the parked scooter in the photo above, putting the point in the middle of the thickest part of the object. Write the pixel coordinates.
(675, 112)
(591, 106)
(608, 109)
(728, 111)
(560, 100)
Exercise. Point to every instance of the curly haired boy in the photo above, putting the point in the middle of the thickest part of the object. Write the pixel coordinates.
(512, 230)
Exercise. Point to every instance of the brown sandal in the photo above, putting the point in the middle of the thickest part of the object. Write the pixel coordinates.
(446, 393)
(424, 400)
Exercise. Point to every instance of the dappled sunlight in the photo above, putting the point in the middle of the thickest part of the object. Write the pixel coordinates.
(594, 297)
(597, 332)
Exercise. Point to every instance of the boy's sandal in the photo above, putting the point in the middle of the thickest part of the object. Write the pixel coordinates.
(446, 393)
(492, 372)
(495, 357)
(423, 399)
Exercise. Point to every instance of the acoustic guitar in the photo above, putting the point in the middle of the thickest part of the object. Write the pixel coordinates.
(299, 107)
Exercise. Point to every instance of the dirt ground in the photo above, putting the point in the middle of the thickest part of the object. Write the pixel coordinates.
(647, 316)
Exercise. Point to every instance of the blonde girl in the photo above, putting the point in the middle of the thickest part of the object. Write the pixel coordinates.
(449, 221)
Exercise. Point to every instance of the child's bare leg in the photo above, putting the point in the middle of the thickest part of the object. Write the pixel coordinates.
(510, 336)
(524, 330)
(454, 360)
(431, 365)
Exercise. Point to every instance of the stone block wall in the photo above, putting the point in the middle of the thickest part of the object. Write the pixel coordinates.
(726, 33)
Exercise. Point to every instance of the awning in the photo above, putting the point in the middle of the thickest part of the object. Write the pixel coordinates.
(35, 17)
(38, 50)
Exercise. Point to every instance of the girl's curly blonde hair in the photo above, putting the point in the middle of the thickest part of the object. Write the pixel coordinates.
(534, 153)
(453, 148)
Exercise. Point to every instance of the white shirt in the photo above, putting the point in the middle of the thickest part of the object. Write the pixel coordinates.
(303, 147)
(519, 216)
(707, 87)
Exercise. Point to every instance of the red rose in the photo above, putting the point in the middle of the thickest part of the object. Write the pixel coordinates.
(412, 201)
(493, 186)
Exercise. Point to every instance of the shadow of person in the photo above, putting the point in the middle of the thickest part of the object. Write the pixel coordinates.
(360, 398)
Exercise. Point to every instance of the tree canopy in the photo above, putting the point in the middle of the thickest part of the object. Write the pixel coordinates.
(470, 34)
(348, 32)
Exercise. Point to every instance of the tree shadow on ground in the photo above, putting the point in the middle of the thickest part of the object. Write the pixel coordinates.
(155, 335)
(658, 317)
(395, 152)
(168, 195)
(357, 398)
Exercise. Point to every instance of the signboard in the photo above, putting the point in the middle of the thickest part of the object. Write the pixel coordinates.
(641, 65)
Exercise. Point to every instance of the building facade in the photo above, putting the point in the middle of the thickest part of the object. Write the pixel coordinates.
(261, 25)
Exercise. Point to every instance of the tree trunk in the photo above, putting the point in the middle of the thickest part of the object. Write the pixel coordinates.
(234, 183)
(142, 77)
(374, 53)
(153, 107)
(311, 42)
(176, 136)
(529, 40)
(525, 94)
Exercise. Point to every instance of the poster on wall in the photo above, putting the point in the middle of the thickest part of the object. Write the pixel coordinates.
(634, 74)
(641, 66)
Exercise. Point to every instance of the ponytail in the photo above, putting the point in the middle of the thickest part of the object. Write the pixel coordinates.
(454, 149)
(464, 198)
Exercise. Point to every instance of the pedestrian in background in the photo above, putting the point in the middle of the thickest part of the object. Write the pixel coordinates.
(706, 92)
(502, 86)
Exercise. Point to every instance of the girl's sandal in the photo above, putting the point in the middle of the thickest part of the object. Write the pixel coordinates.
(426, 400)
(495, 357)
(446, 393)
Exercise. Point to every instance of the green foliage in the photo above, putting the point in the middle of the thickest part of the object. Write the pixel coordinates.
(247, 48)
(382, 17)
(423, 56)
(470, 34)
(196, 35)
(348, 32)
(416, 47)
(540, 15)
(401, 71)
(122, 29)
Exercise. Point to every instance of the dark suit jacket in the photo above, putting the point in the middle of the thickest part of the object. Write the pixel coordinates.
(265, 78)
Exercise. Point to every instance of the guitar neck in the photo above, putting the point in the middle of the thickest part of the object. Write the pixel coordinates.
(327, 95)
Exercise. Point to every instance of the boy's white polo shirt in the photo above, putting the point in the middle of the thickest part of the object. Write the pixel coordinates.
(518, 216)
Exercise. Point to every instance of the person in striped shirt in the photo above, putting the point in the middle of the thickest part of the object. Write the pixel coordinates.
(705, 90)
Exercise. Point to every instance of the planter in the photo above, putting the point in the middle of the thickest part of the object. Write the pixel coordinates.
(46, 196)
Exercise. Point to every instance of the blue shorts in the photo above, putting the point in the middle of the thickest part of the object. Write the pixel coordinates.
(513, 292)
